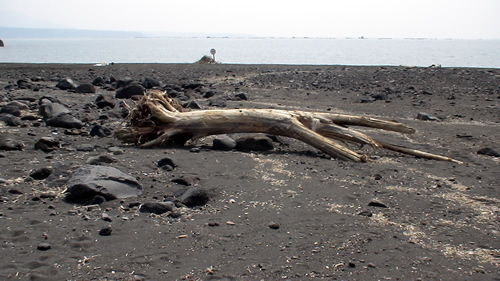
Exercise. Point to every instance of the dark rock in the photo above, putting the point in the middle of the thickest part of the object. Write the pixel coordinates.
(150, 83)
(14, 191)
(195, 196)
(11, 109)
(64, 120)
(254, 143)
(365, 213)
(208, 94)
(19, 105)
(489, 152)
(192, 104)
(41, 174)
(193, 85)
(105, 231)
(43, 246)
(66, 84)
(106, 217)
(10, 120)
(101, 159)
(100, 131)
(105, 100)
(426, 117)
(109, 182)
(223, 142)
(167, 164)
(48, 109)
(47, 144)
(122, 82)
(186, 180)
(86, 147)
(377, 204)
(86, 88)
(380, 96)
(9, 142)
(97, 200)
(130, 91)
(274, 225)
(217, 103)
(24, 84)
(157, 207)
(98, 81)
(59, 176)
(242, 96)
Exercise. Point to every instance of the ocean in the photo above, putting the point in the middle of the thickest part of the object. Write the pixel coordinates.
(313, 51)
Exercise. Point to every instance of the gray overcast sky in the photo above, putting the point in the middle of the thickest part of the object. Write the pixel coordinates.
(313, 18)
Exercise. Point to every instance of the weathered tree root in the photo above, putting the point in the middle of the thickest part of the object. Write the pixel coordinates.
(158, 120)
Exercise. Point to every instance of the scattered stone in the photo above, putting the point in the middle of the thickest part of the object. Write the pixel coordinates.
(380, 96)
(167, 164)
(9, 142)
(106, 217)
(105, 100)
(44, 246)
(366, 213)
(192, 104)
(122, 82)
(105, 231)
(47, 144)
(10, 109)
(223, 142)
(217, 103)
(213, 223)
(100, 131)
(274, 225)
(109, 182)
(193, 85)
(48, 109)
(194, 197)
(11, 120)
(86, 147)
(66, 84)
(254, 143)
(157, 207)
(426, 117)
(208, 94)
(41, 174)
(377, 204)
(24, 84)
(130, 91)
(150, 83)
(242, 96)
(488, 152)
(101, 159)
(187, 181)
(86, 88)
(98, 81)
(64, 121)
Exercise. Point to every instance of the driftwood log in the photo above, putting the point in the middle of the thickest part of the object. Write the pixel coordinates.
(158, 120)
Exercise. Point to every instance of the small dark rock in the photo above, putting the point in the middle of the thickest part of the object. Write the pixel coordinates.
(98, 81)
(86, 88)
(122, 82)
(242, 96)
(14, 191)
(377, 204)
(44, 246)
(193, 85)
(426, 117)
(150, 83)
(48, 109)
(66, 84)
(488, 152)
(192, 104)
(9, 142)
(100, 131)
(365, 213)
(106, 217)
(101, 159)
(105, 231)
(167, 164)
(208, 94)
(274, 225)
(11, 120)
(105, 100)
(223, 142)
(47, 144)
(157, 207)
(64, 121)
(97, 200)
(254, 143)
(41, 174)
(129, 91)
(11, 109)
(195, 196)
(86, 147)
(217, 103)
(187, 181)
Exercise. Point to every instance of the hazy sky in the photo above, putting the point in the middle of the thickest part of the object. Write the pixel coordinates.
(313, 18)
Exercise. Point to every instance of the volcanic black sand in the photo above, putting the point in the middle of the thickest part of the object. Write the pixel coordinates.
(290, 213)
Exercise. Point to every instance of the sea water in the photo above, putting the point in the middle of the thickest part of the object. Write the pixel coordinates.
(314, 51)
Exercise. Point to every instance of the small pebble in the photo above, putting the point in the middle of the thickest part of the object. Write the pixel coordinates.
(44, 246)
(274, 225)
(106, 231)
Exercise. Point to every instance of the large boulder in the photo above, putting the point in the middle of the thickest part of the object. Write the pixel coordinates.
(90, 181)
(66, 84)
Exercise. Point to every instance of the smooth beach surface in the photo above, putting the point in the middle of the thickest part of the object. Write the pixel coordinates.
(290, 213)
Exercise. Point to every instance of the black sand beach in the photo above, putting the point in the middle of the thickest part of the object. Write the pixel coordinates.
(290, 213)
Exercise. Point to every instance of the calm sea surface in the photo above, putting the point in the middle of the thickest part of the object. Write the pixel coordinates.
(448, 53)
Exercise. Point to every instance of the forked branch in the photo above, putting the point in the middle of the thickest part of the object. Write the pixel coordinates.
(158, 120)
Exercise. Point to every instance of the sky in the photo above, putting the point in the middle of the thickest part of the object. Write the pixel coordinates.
(462, 19)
